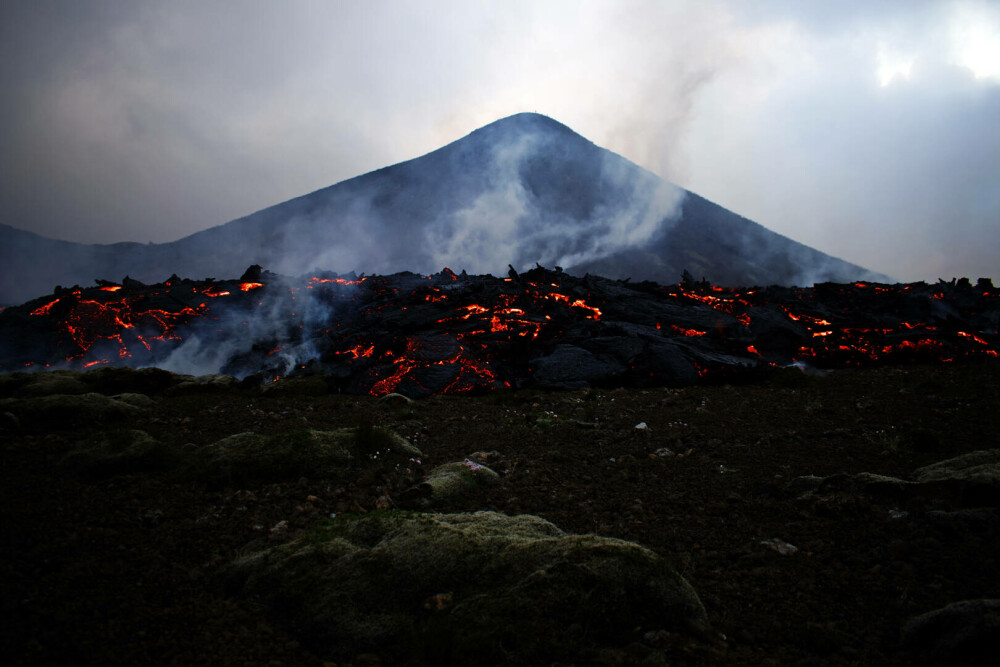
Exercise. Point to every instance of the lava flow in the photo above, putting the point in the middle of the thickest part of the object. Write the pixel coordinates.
(450, 333)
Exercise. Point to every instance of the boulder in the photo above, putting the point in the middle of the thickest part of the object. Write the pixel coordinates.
(961, 634)
(450, 481)
(122, 379)
(67, 411)
(137, 400)
(572, 367)
(872, 485)
(117, 452)
(53, 382)
(969, 480)
(252, 457)
(308, 385)
(203, 384)
(464, 589)
(972, 479)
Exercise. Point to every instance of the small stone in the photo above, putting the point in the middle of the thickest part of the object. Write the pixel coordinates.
(782, 547)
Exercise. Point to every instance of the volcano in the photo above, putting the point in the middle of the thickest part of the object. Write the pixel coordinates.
(524, 188)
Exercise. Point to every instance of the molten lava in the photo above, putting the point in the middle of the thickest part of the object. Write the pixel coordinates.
(447, 333)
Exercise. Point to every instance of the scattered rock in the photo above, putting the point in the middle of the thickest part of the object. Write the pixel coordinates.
(782, 547)
(507, 585)
(492, 458)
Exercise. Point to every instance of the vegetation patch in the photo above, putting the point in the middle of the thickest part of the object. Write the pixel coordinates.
(463, 588)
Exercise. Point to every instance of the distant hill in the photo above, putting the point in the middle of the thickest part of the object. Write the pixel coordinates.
(521, 190)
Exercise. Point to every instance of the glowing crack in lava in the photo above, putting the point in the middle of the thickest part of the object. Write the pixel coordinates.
(445, 333)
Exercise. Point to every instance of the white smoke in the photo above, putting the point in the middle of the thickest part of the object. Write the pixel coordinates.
(276, 320)
(505, 223)
(485, 236)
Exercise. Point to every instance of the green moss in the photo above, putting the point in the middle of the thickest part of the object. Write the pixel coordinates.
(365, 529)
(120, 451)
(372, 441)
(513, 584)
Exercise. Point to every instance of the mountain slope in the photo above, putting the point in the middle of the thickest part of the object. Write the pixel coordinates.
(521, 190)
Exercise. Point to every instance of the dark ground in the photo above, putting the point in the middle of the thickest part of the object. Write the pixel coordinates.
(121, 570)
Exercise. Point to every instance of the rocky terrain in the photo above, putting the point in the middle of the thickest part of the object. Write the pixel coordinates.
(847, 517)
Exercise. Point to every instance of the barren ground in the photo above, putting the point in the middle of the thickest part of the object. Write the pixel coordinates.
(121, 569)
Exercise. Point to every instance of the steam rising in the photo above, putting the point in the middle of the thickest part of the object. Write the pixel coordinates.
(521, 190)
(273, 321)
(509, 220)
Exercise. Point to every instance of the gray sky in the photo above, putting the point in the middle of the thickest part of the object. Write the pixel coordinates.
(870, 131)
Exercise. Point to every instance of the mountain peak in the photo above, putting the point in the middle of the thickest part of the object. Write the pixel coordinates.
(526, 121)
(520, 190)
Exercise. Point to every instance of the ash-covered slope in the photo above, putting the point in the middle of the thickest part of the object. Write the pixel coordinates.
(523, 189)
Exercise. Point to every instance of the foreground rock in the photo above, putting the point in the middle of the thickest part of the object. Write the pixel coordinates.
(972, 479)
(964, 633)
(449, 482)
(969, 480)
(465, 588)
(68, 410)
(253, 457)
(120, 451)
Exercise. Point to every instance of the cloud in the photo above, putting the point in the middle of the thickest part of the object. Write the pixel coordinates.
(864, 129)
(895, 177)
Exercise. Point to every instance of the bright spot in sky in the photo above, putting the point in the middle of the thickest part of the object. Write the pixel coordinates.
(975, 34)
(892, 64)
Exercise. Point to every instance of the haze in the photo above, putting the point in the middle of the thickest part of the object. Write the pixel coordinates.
(866, 130)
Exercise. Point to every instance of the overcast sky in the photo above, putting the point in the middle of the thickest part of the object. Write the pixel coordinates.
(868, 130)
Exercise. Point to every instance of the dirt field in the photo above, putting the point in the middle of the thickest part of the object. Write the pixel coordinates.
(115, 567)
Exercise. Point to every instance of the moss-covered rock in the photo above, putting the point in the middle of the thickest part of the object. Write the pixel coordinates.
(869, 484)
(107, 380)
(311, 385)
(969, 480)
(973, 478)
(450, 481)
(52, 382)
(252, 457)
(137, 400)
(67, 411)
(113, 380)
(121, 451)
(963, 633)
(981, 466)
(465, 588)
(202, 384)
